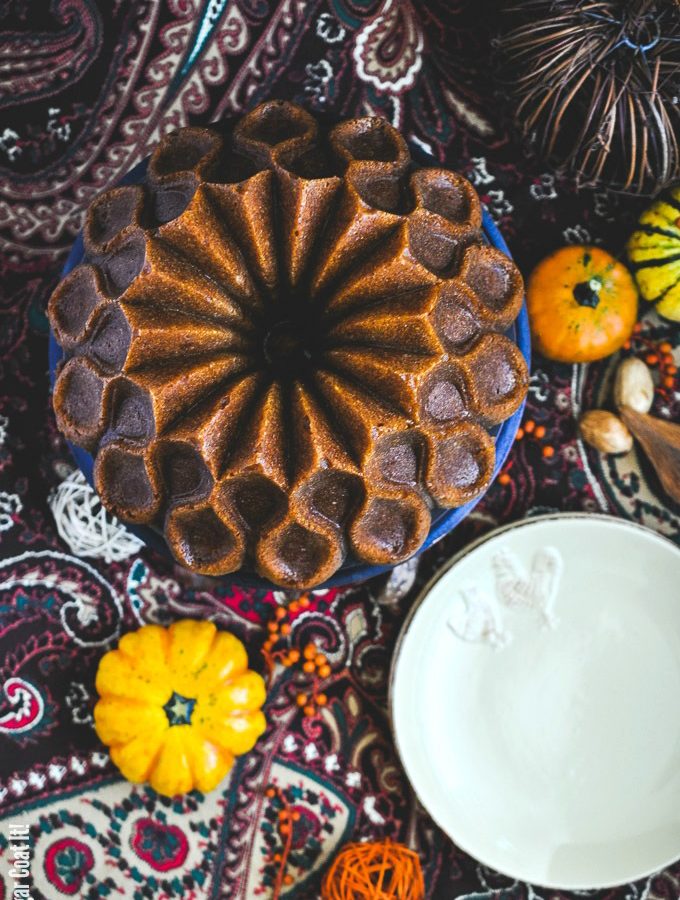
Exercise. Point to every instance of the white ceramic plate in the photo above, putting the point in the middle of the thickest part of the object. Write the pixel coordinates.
(535, 699)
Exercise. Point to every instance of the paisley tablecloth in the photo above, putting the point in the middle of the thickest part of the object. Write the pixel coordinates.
(86, 90)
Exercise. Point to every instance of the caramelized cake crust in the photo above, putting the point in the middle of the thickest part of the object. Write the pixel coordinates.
(287, 346)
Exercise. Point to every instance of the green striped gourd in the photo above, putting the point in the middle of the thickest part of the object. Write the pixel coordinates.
(654, 254)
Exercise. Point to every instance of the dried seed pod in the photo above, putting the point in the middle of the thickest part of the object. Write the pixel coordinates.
(661, 442)
(633, 385)
(605, 431)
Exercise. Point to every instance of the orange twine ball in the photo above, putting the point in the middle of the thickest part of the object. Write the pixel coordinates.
(380, 870)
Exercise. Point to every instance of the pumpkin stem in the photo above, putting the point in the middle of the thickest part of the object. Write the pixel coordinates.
(179, 709)
(587, 293)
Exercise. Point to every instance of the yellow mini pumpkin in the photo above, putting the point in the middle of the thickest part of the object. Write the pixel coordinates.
(582, 304)
(654, 254)
(177, 704)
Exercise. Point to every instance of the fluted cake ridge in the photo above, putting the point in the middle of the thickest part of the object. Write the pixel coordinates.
(286, 345)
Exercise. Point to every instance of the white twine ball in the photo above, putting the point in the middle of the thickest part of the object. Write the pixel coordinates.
(86, 526)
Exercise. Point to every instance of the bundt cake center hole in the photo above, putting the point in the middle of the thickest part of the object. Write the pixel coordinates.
(287, 349)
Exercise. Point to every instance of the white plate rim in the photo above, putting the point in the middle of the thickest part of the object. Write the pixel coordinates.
(421, 598)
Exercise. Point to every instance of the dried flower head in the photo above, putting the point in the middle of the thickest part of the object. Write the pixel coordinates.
(595, 86)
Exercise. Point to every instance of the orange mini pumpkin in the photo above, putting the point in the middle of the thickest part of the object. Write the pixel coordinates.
(582, 304)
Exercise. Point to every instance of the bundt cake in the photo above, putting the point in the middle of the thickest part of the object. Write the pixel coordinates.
(286, 346)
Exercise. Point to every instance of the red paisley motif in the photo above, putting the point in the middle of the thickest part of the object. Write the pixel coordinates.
(67, 862)
(388, 49)
(26, 706)
(70, 37)
(163, 847)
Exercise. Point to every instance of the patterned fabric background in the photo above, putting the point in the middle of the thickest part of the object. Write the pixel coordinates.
(86, 90)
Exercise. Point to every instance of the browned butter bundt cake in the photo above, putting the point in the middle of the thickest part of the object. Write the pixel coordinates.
(286, 345)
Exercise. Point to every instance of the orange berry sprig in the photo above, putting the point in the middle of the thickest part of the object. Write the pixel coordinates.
(312, 661)
(663, 361)
(657, 356)
(528, 429)
(274, 650)
(538, 433)
(286, 818)
(531, 429)
(637, 337)
(316, 664)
